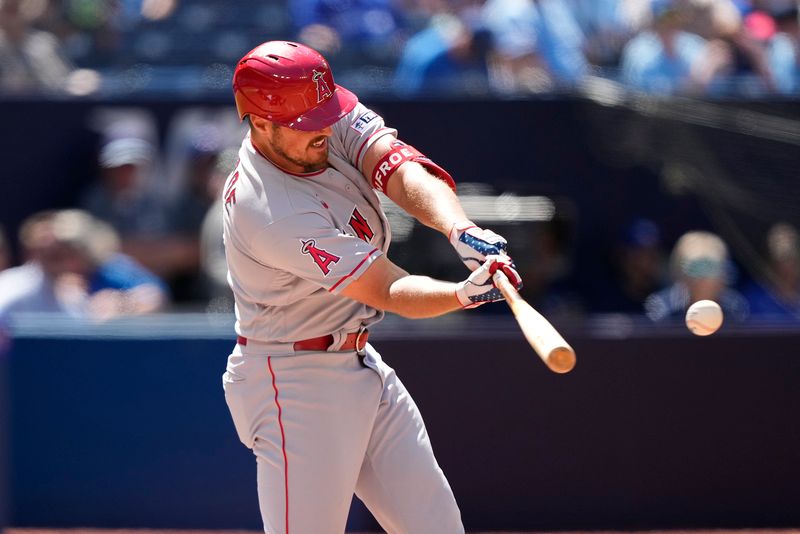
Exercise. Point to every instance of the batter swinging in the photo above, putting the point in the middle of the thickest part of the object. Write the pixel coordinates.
(306, 242)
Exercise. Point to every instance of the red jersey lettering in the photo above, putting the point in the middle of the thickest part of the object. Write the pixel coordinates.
(230, 191)
(321, 257)
(360, 226)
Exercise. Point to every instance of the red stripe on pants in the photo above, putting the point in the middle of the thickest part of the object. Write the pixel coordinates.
(283, 443)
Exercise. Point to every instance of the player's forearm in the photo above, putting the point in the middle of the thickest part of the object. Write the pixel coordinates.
(425, 197)
(418, 297)
(386, 286)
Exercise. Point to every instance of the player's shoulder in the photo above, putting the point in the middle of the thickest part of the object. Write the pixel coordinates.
(266, 194)
(358, 121)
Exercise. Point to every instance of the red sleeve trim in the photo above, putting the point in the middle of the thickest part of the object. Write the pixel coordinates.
(332, 289)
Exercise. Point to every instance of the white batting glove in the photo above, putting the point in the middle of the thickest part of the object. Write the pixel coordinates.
(473, 243)
(479, 288)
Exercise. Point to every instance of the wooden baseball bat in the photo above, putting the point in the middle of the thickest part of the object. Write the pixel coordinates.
(554, 351)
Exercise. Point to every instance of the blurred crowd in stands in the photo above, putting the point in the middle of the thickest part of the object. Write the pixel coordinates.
(146, 236)
(434, 48)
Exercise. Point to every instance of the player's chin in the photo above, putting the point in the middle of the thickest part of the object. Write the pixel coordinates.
(316, 162)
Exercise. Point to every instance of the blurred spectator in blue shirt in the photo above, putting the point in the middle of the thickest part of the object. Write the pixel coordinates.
(74, 266)
(449, 57)
(371, 28)
(778, 295)
(607, 26)
(701, 269)
(784, 51)
(668, 60)
(538, 45)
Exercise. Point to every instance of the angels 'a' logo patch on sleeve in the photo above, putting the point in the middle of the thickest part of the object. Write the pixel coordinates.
(321, 257)
(361, 123)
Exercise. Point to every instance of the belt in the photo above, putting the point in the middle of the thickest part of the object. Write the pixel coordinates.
(354, 341)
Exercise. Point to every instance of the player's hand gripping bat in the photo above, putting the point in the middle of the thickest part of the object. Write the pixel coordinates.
(545, 340)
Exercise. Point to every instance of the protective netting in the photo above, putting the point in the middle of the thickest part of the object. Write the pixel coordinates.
(738, 158)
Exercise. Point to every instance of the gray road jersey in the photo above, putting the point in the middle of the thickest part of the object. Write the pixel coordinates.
(293, 242)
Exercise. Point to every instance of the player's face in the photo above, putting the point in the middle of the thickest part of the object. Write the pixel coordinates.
(295, 150)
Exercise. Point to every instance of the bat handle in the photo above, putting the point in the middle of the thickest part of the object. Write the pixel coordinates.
(505, 286)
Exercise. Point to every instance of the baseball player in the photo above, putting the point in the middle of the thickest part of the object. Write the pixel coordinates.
(306, 242)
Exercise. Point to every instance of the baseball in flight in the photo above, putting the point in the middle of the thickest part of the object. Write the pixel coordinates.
(704, 317)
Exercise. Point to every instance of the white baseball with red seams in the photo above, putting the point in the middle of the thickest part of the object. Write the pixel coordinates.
(704, 317)
(322, 425)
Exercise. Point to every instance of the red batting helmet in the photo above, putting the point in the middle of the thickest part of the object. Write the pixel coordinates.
(290, 84)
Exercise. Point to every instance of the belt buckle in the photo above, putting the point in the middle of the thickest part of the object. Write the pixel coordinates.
(361, 351)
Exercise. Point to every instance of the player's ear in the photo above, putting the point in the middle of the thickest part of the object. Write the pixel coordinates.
(258, 123)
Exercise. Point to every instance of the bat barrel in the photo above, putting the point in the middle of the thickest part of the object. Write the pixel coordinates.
(540, 334)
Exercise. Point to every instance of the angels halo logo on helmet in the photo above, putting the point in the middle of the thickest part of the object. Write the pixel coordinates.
(323, 91)
(290, 84)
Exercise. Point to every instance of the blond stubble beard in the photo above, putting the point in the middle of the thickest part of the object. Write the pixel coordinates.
(307, 166)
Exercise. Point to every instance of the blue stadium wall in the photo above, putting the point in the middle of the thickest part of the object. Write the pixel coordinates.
(660, 430)
(4, 430)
